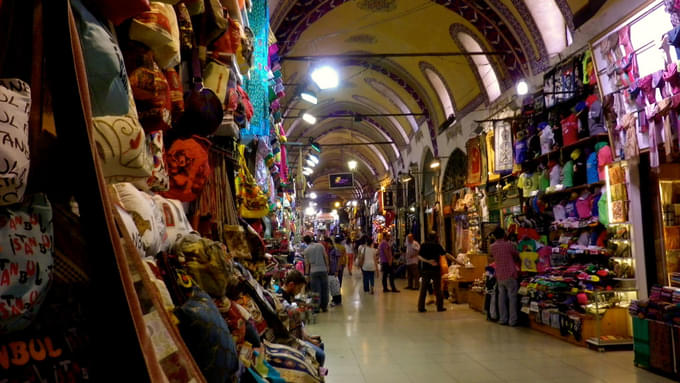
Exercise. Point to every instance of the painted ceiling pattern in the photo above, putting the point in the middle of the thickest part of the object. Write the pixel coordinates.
(400, 84)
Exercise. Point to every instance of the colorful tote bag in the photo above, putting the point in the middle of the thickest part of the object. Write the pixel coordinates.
(27, 244)
(15, 106)
(158, 29)
(292, 364)
(503, 146)
(253, 203)
(474, 153)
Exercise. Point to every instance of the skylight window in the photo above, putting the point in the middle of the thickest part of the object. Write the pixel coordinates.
(551, 23)
(486, 72)
(442, 92)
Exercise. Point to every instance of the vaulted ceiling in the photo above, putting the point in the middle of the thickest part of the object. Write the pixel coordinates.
(398, 85)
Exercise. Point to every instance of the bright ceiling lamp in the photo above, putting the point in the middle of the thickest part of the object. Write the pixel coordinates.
(325, 77)
(435, 164)
(308, 118)
(307, 171)
(522, 87)
(354, 203)
(405, 177)
(337, 204)
(315, 146)
(313, 158)
(312, 195)
(310, 163)
(309, 96)
(310, 211)
(352, 164)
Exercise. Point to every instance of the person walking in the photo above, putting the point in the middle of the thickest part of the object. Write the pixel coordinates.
(504, 254)
(386, 260)
(317, 268)
(412, 274)
(349, 251)
(430, 253)
(342, 257)
(368, 258)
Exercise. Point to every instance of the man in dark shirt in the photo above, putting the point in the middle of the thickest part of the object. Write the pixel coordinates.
(293, 285)
(430, 271)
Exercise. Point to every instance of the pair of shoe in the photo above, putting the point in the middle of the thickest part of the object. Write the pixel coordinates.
(422, 310)
(441, 309)
(390, 291)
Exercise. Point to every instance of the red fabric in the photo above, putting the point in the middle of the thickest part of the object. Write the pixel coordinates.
(504, 254)
(120, 10)
(527, 232)
(188, 168)
(570, 130)
(591, 100)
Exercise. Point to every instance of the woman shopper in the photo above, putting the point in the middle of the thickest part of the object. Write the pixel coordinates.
(368, 258)
(349, 251)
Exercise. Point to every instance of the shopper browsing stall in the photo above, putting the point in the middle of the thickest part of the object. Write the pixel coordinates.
(430, 253)
(504, 254)
(317, 268)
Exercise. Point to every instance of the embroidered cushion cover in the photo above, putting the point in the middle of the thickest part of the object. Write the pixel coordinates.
(15, 104)
(147, 219)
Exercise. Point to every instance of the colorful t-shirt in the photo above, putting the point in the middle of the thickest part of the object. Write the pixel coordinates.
(526, 245)
(592, 169)
(528, 259)
(528, 183)
(544, 180)
(547, 139)
(570, 130)
(521, 149)
(568, 174)
(555, 175)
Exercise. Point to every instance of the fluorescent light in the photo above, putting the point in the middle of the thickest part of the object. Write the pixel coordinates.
(412, 208)
(309, 96)
(337, 204)
(310, 211)
(310, 163)
(334, 212)
(434, 164)
(312, 195)
(309, 118)
(313, 158)
(326, 77)
(352, 164)
(522, 88)
(308, 170)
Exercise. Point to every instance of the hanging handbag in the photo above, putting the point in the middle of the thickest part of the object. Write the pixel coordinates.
(253, 203)
(158, 29)
(120, 10)
(216, 77)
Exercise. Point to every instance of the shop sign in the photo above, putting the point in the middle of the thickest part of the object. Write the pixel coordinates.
(388, 199)
(341, 180)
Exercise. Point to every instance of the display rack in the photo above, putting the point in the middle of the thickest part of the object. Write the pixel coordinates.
(610, 337)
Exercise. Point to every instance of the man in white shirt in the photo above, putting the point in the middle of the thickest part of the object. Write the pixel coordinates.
(412, 251)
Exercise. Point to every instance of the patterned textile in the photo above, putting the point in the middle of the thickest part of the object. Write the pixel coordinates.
(474, 170)
(503, 146)
(257, 86)
(503, 253)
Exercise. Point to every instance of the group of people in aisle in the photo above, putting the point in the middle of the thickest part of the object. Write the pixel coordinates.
(424, 266)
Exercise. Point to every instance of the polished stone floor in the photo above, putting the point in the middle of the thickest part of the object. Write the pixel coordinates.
(383, 338)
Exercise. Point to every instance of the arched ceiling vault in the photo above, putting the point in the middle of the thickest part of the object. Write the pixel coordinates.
(378, 85)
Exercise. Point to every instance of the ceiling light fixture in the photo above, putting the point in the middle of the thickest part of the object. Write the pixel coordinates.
(337, 204)
(315, 146)
(313, 158)
(325, 77)
(354, 203)
(405, 177)
(308, 118)
(310, 163)
(312, 195)
(307, 171)
(309, 96)
(352, 164)
(435, 164)
(310, 211)
(522, 87)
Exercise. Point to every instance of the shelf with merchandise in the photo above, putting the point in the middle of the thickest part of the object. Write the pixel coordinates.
(576, 188)
(590, 140)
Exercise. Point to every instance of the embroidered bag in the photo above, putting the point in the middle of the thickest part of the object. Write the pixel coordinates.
(188, 168)
(158, 29)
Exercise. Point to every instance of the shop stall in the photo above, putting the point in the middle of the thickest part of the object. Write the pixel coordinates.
(167, 232)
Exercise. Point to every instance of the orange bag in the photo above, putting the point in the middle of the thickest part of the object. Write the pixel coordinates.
(188, 168)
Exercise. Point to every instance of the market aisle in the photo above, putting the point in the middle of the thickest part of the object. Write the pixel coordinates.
(384, 339)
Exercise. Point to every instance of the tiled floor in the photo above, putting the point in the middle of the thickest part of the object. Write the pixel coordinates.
(383, 338)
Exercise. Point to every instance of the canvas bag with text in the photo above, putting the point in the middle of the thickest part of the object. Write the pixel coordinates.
(15, 106)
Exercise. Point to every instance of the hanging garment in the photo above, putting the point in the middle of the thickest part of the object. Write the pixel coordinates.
(491, 157)
(503, 146)
(474, 169)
